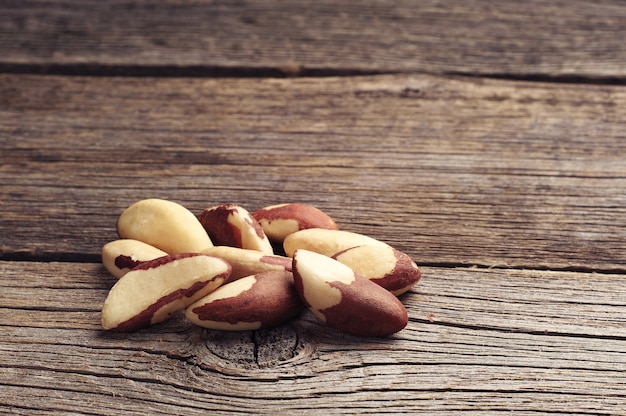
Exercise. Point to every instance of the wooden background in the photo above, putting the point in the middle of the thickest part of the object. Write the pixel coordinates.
(484, 139)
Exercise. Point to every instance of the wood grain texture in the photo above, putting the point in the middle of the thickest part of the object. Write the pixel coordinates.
(573, 38)
(478, 340)
(510, 195)
(449, 170)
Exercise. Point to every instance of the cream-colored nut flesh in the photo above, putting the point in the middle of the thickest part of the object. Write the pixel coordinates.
(368, 261)
(278, 229)
(232, 225)
(248, 262)
(120, 256)
(385, 266)
(317, 271)
(262, 300)
(157, 289)
(163, 224)
(278, 221)
(326, 242)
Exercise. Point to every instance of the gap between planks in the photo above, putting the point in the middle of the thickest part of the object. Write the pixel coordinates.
(200, 71)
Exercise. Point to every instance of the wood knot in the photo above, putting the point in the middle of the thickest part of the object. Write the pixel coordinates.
(261, 348)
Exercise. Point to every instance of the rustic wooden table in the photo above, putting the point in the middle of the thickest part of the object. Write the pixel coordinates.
(487, 140)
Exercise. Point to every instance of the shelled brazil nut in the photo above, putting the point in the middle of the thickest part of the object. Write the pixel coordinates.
(278, 221)
(232, 225)
(163, 224)
(120, 256)
(248, 262)
(383, 265)
(262, 300)
(326, 242)
(344, 299)
(157, 289)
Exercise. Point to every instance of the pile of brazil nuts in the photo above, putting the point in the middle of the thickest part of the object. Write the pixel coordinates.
(220, 267)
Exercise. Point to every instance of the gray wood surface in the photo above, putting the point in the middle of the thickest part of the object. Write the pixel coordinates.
(450, 170)
(478, 340)
(571, 39)
(510, 195)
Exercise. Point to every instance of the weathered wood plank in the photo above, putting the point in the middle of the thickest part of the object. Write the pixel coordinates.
(452, 171)
(575, 38)
(478, 340)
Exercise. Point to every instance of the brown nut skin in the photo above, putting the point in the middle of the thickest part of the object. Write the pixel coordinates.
(164, 224)
(278, 221)
(326, 242)
(120, 256)
(385, 266)
(263, 300)
(248, 262)
(155, 290)
(344, 299)
(232, 225)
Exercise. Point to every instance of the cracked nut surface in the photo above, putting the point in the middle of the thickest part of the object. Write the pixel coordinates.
(120, 256)
(385, 266)
(344, 299)
(163, 224)
(232, 225)
(326, 242)
(278, 221)
(263, 300)
(247, 262)
(160, 288)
